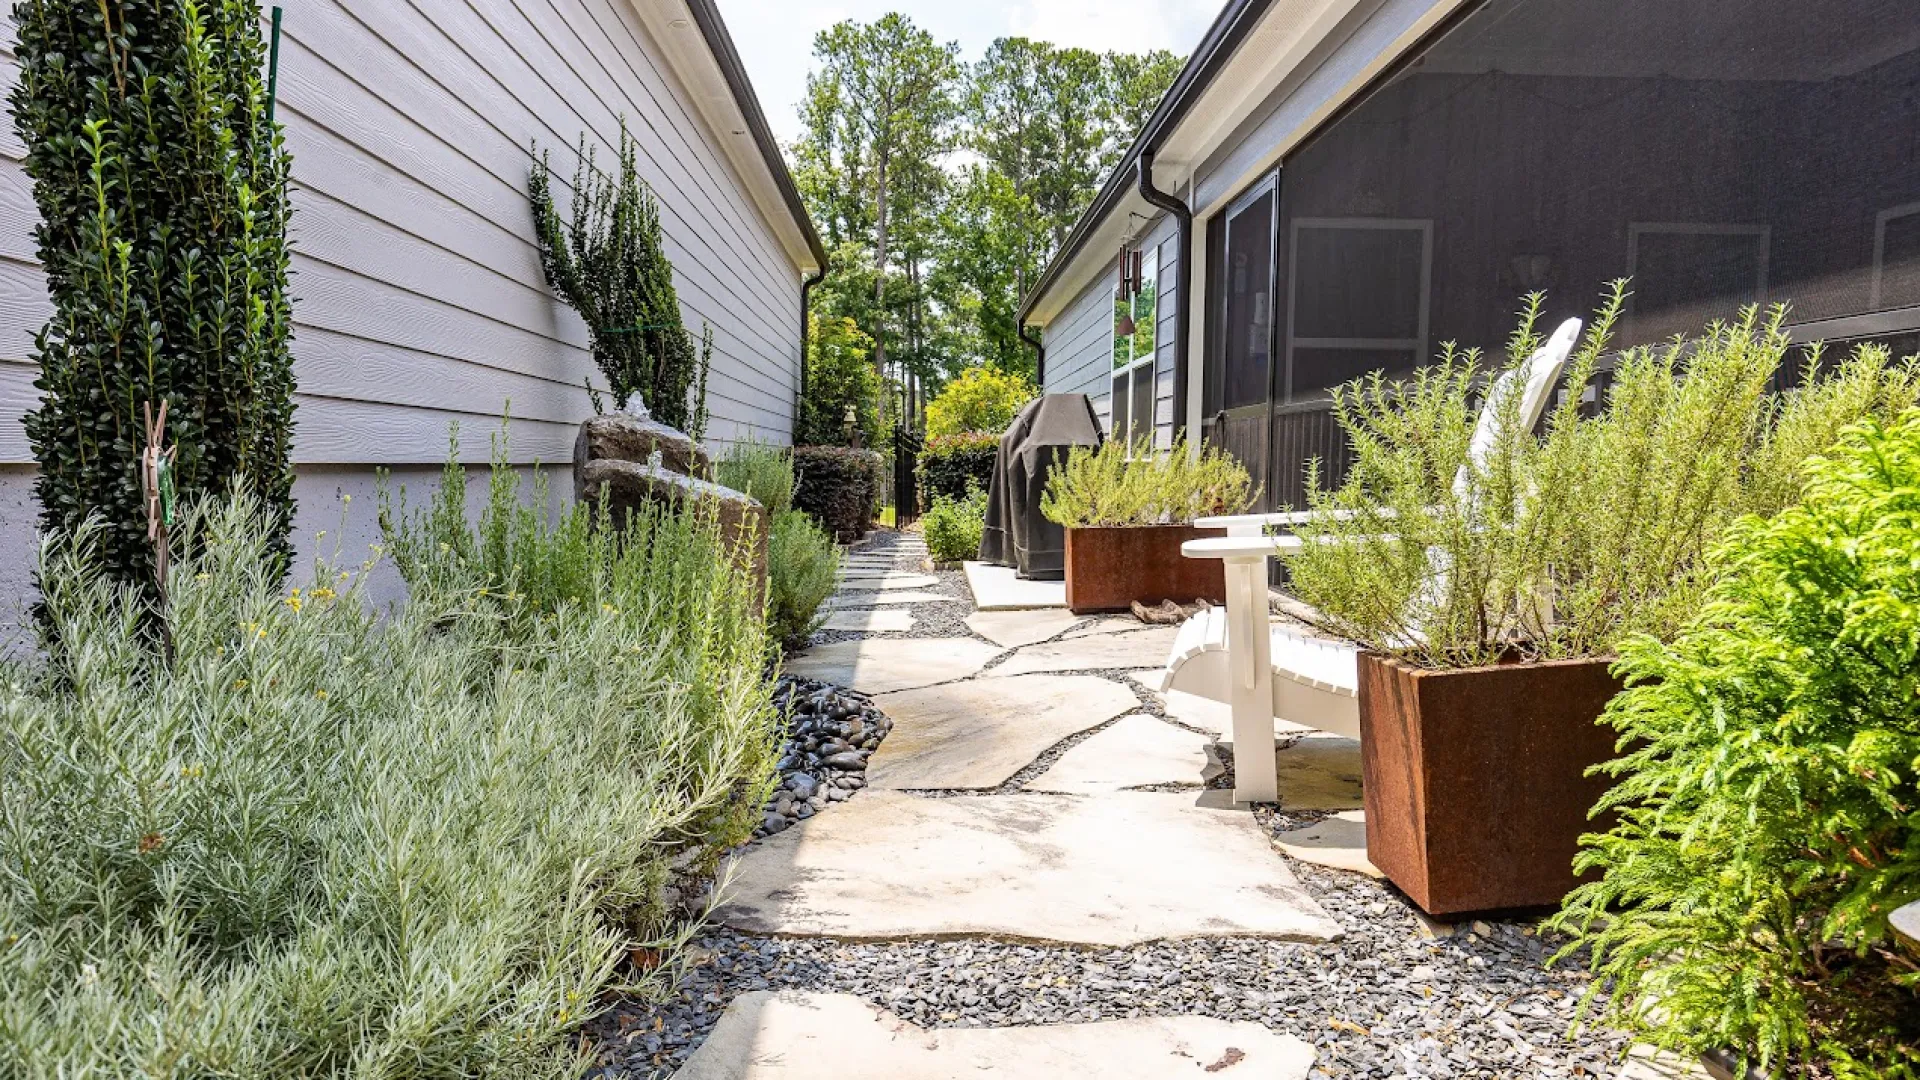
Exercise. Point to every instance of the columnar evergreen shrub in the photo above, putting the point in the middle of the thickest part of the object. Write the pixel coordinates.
(161, 187)
(953, 527)
(326, 842)
(839, 375)
(1769, 803)
(608, 262)
(1118, 485)
(839, 487)
(983, 398)
(951, 463)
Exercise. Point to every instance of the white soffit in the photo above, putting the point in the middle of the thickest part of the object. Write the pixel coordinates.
(673, 28)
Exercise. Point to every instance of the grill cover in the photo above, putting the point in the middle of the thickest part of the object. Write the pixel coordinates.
(1017, 534)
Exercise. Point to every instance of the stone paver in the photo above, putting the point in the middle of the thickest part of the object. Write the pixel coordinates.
(876, 667)
(1101, 652)
(868, 580)
(871, 621)
(1647, 1063)
(794, 1035)
(1137, 751)
(1109, 624)
(1103, 870)
(977, 734)
(853, 599)
(999, 588)
(1339, 842)
(1320, 772)
(1016, 628)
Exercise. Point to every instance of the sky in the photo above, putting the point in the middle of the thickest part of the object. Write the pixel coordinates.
(775, 37)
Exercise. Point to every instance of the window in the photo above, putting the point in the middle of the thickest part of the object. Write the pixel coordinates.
(1135, 323)
(1360, 291)
(1896, 257)
(1685, 276)
(1242, 301)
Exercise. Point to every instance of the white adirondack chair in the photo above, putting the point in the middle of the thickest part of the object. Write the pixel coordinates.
(1236, 655)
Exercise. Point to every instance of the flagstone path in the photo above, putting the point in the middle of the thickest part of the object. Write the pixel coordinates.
(1043, 878)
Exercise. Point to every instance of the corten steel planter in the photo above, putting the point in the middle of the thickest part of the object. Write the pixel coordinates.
(1476, 785)
(1109, 568)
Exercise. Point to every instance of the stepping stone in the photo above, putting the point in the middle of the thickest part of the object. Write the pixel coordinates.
(848, 598)
(1320, 772)
(977, 734)
(876, 667)
(1016, 628)
(999, 588)
(795, 1035)
(1135, 752)
(871, 621)
(1101, 870)
(1339, 842)
(1110, 625)
(1648, 1063)
(864, 581)
(1099, 653)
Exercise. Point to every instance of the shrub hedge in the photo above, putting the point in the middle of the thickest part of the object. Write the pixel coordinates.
(951, 462)
(839, 487)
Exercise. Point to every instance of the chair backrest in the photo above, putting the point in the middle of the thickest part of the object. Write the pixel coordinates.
(1534, 381)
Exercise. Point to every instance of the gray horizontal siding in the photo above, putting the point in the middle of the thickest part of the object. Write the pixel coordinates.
(1080, 340)
(419, 298)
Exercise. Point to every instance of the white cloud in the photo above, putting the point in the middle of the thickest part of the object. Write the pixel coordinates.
(1113, 25)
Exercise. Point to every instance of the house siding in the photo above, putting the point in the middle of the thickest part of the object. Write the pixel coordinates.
(1080, 340)
(419, 299)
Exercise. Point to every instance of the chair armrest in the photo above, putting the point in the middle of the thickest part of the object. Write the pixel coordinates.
(1251, 524)
(1239, 547)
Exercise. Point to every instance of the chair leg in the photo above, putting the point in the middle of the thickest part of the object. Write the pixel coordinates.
(1255, 778)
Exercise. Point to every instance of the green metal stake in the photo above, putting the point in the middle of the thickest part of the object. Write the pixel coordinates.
(273, 64)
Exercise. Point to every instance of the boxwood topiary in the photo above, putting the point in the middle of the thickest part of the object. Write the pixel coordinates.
(838, 487)
(951, 462)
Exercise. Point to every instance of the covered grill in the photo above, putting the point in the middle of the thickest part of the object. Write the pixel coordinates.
(1017, 534)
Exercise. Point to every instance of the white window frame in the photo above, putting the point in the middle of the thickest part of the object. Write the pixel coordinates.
(1148, 254)
(1417, 345)
(1880, 222)
(1637, 229)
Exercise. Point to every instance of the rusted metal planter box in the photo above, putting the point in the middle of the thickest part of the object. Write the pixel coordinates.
(1108, 569)
(1476, 785)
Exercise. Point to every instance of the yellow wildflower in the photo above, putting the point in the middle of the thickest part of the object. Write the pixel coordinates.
(321, 694)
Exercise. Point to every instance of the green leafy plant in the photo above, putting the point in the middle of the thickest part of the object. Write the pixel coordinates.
(839, 376)
(951, 464)
(983, 399)
(323, 836)
(803, 564)
(161, 189)
(1561, 546)
(953, 526)
(761, 470)
(1118, 485)
(609, 263)
(1768, 811)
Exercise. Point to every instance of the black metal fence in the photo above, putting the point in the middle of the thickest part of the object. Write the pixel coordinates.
(907, 445)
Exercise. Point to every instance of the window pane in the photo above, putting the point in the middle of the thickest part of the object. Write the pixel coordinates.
(1140, 407)
(1900, 261)
(1683, 280)
(1357, 281)
(1247, 330)
(1317, 370)
(1117, 425)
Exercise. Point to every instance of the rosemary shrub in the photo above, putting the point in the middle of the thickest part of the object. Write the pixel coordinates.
(608, 262)
(953, 527)
(1768, 811)
(803, 568)
(323, 842)
(1561, 546)
(161, 190)
(1118, 485)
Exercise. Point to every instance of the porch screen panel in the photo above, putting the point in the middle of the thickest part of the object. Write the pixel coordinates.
(1246, 324)
(1718, 152)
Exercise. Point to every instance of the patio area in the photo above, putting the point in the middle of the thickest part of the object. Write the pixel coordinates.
(1045, 867)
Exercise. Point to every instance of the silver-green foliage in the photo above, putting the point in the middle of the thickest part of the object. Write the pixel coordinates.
(953, 527)
(1125, 485)
(1560, 546)
(323, 842)
(761, 470)
(803, 564)
(1768, 812)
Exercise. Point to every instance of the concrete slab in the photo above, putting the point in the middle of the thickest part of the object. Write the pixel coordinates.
(1320, 772)
(1102, 870)
(978, 733)
(998, 588)
(1648, 1063)
(876, 667)
(848, 598)
(1108, 624)
(871, 621)
(1137, 751)
(1339, 842)
(865, 580)
(1099, 653)
(1016, 628)
(795, 1035)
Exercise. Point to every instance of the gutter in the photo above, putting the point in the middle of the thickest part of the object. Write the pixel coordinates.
(1039, 353)
(806, 324)
(1183, 298)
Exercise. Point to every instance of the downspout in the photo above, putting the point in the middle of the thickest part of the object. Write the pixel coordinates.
(1039, 355)
(1182, 300)
(806, 324)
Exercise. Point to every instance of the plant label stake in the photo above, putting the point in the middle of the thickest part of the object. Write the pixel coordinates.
(156, 487)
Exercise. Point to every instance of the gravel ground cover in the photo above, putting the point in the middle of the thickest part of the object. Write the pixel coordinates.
(1388, 1000)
